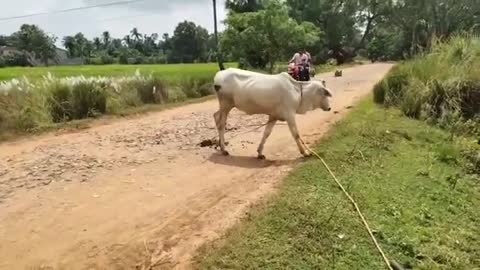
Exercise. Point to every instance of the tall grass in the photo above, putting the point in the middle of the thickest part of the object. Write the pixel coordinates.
(27, 106)
(442, 86)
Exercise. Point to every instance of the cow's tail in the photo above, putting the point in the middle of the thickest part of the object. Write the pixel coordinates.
(218, 81)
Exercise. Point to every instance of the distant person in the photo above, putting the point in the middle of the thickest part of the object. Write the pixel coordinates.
(301, 60)
(297, 58)
(307, 56)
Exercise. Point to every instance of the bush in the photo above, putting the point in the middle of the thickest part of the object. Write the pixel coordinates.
(2, 62)
(138, 60)
(27, 106)
(443, 86)
(60, 102)
(107, 60)
(16, 59)
(195, 88)
(379, 91)
(189, 87)
(88, 100)
(123, 59)
(412, 101)
(204, 86)
(151, 90)
(23, 110)
(390, 90)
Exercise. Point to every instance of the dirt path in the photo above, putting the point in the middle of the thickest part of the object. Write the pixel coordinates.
(140, 192)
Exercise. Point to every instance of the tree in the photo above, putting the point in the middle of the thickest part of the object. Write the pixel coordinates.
(97, 43)
(337, 18)
(242, 6)
(82, 45)
(71, 46)
(128, 41)
(106, 39)
(4, 40)
(215, 47)
(267, 36)
(165, 45)
(32, 39)
(135, 34)
(89, 48)
(189, 42)
(370, 13)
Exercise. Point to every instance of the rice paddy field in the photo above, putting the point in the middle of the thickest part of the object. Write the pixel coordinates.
(169, 72)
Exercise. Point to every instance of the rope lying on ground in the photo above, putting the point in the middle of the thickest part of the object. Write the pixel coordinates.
(393, 265)
(385, 259)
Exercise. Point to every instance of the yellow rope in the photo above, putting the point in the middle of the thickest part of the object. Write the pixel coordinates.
(354, 204)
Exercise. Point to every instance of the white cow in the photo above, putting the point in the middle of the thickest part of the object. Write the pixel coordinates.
(278, 96)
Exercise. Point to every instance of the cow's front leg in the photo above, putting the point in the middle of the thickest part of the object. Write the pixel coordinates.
(292, 125)
(268, 130)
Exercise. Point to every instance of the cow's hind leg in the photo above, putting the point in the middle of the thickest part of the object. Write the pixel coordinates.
(292, 125)
(221, 123)
(216, 116)
(268, 130)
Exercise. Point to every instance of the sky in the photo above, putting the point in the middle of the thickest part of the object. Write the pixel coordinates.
(149, 16)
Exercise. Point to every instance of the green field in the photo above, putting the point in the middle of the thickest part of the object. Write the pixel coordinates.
(416, 188)
(171, 72)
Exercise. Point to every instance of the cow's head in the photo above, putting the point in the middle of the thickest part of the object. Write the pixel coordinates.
(321, 98)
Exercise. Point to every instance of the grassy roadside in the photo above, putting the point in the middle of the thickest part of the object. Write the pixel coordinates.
(416, 188)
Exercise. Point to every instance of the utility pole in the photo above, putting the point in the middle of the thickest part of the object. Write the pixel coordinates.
(219, 55)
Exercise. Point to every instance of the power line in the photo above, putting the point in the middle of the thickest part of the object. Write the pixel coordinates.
(126, 17)
(118, 3)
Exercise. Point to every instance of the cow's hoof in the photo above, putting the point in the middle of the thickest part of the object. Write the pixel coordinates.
(261, 157)
(225, 153)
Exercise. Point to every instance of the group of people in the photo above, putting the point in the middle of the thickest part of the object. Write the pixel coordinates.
(299, 65)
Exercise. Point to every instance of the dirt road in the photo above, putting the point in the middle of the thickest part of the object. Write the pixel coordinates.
(140, 192)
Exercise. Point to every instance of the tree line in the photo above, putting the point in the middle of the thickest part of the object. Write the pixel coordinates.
(343, 29)
(189, 43)
(261, 32)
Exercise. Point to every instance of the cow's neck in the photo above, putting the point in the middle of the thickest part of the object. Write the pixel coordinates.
(306, 98)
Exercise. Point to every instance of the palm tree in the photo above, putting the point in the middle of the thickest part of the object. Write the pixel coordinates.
(106, 38)
(135, 34)
(219, 55)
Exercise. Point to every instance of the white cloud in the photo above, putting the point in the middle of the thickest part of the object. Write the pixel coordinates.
(149, 16)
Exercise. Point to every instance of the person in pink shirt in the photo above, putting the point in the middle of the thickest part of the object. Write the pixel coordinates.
(301, 61)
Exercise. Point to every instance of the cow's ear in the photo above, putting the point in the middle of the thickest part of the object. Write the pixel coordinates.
(327, 92)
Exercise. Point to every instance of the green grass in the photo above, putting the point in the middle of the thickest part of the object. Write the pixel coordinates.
(442, 86)
(410, 182)
(173, 72)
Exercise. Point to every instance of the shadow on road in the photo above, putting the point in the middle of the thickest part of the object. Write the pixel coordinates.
(249, 162)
